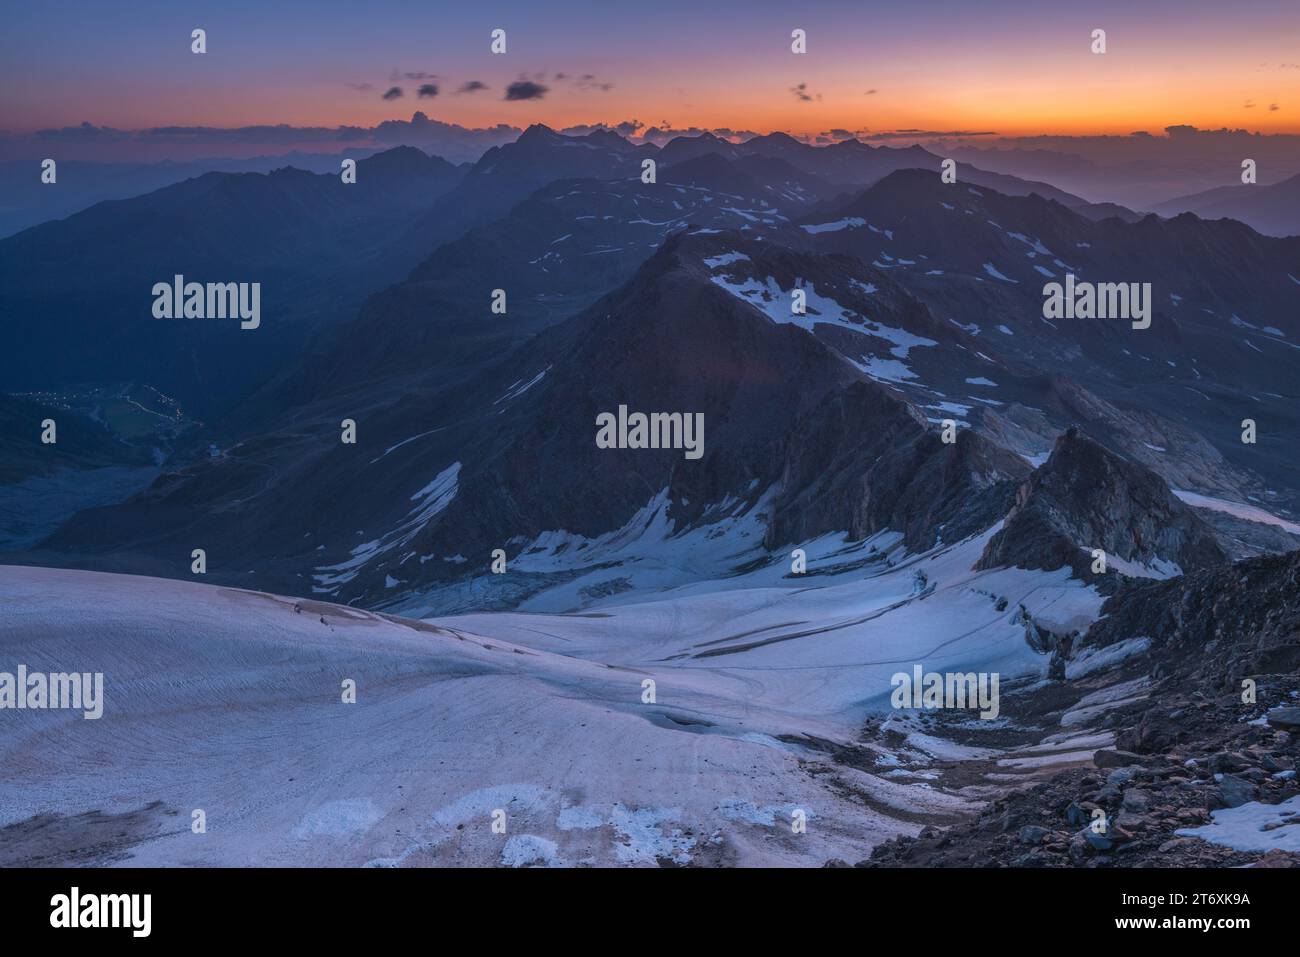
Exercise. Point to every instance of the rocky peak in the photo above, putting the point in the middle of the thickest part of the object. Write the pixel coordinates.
(537, 133)
(1085, 497)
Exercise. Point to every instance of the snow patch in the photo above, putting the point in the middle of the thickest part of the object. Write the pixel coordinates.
(851, 222)
(1253, 827)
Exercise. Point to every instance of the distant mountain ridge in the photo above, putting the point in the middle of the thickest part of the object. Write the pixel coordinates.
(922, 314)
(1085, 498)
(1273, 210)
(77, 303)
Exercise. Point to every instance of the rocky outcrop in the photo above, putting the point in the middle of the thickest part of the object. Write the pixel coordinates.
(1209, 632)
(1144, 807)
(1219, 728)
(1085, 497)
(864, 461)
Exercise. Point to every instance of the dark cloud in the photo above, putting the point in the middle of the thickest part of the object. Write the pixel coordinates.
(105, 144)
(525, 90)
(279, 135)
(870, 93)
(665, 132)
(361, 87)
(1182, 146)
(427, 90)
(413, 75)
(392, 93)
(729, 134)
(1272, 107)
(85, 132)
(472, 86)
(920, 134)
(838, 135)
(800, 90)
(420, 128)
(389, 132)
(588, 81)
(626, 128)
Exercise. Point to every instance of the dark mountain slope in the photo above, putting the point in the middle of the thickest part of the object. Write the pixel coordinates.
(477, 430)
(863, 462)
(77, 304)
(853, 163)
(509, 454)
(1085, 497)
(554, 254)
(82, 443)
(1223, 343)
(1273, 210)
(504, 175)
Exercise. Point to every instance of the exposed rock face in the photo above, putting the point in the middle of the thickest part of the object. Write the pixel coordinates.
(1179, 454)
(1213, 628)
(670, 340)
(1145, 807)
(1086, 497)
(783, 410)
(865, 461)
(1193, 746)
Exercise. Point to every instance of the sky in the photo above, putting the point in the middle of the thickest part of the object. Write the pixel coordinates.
(1002, 67)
